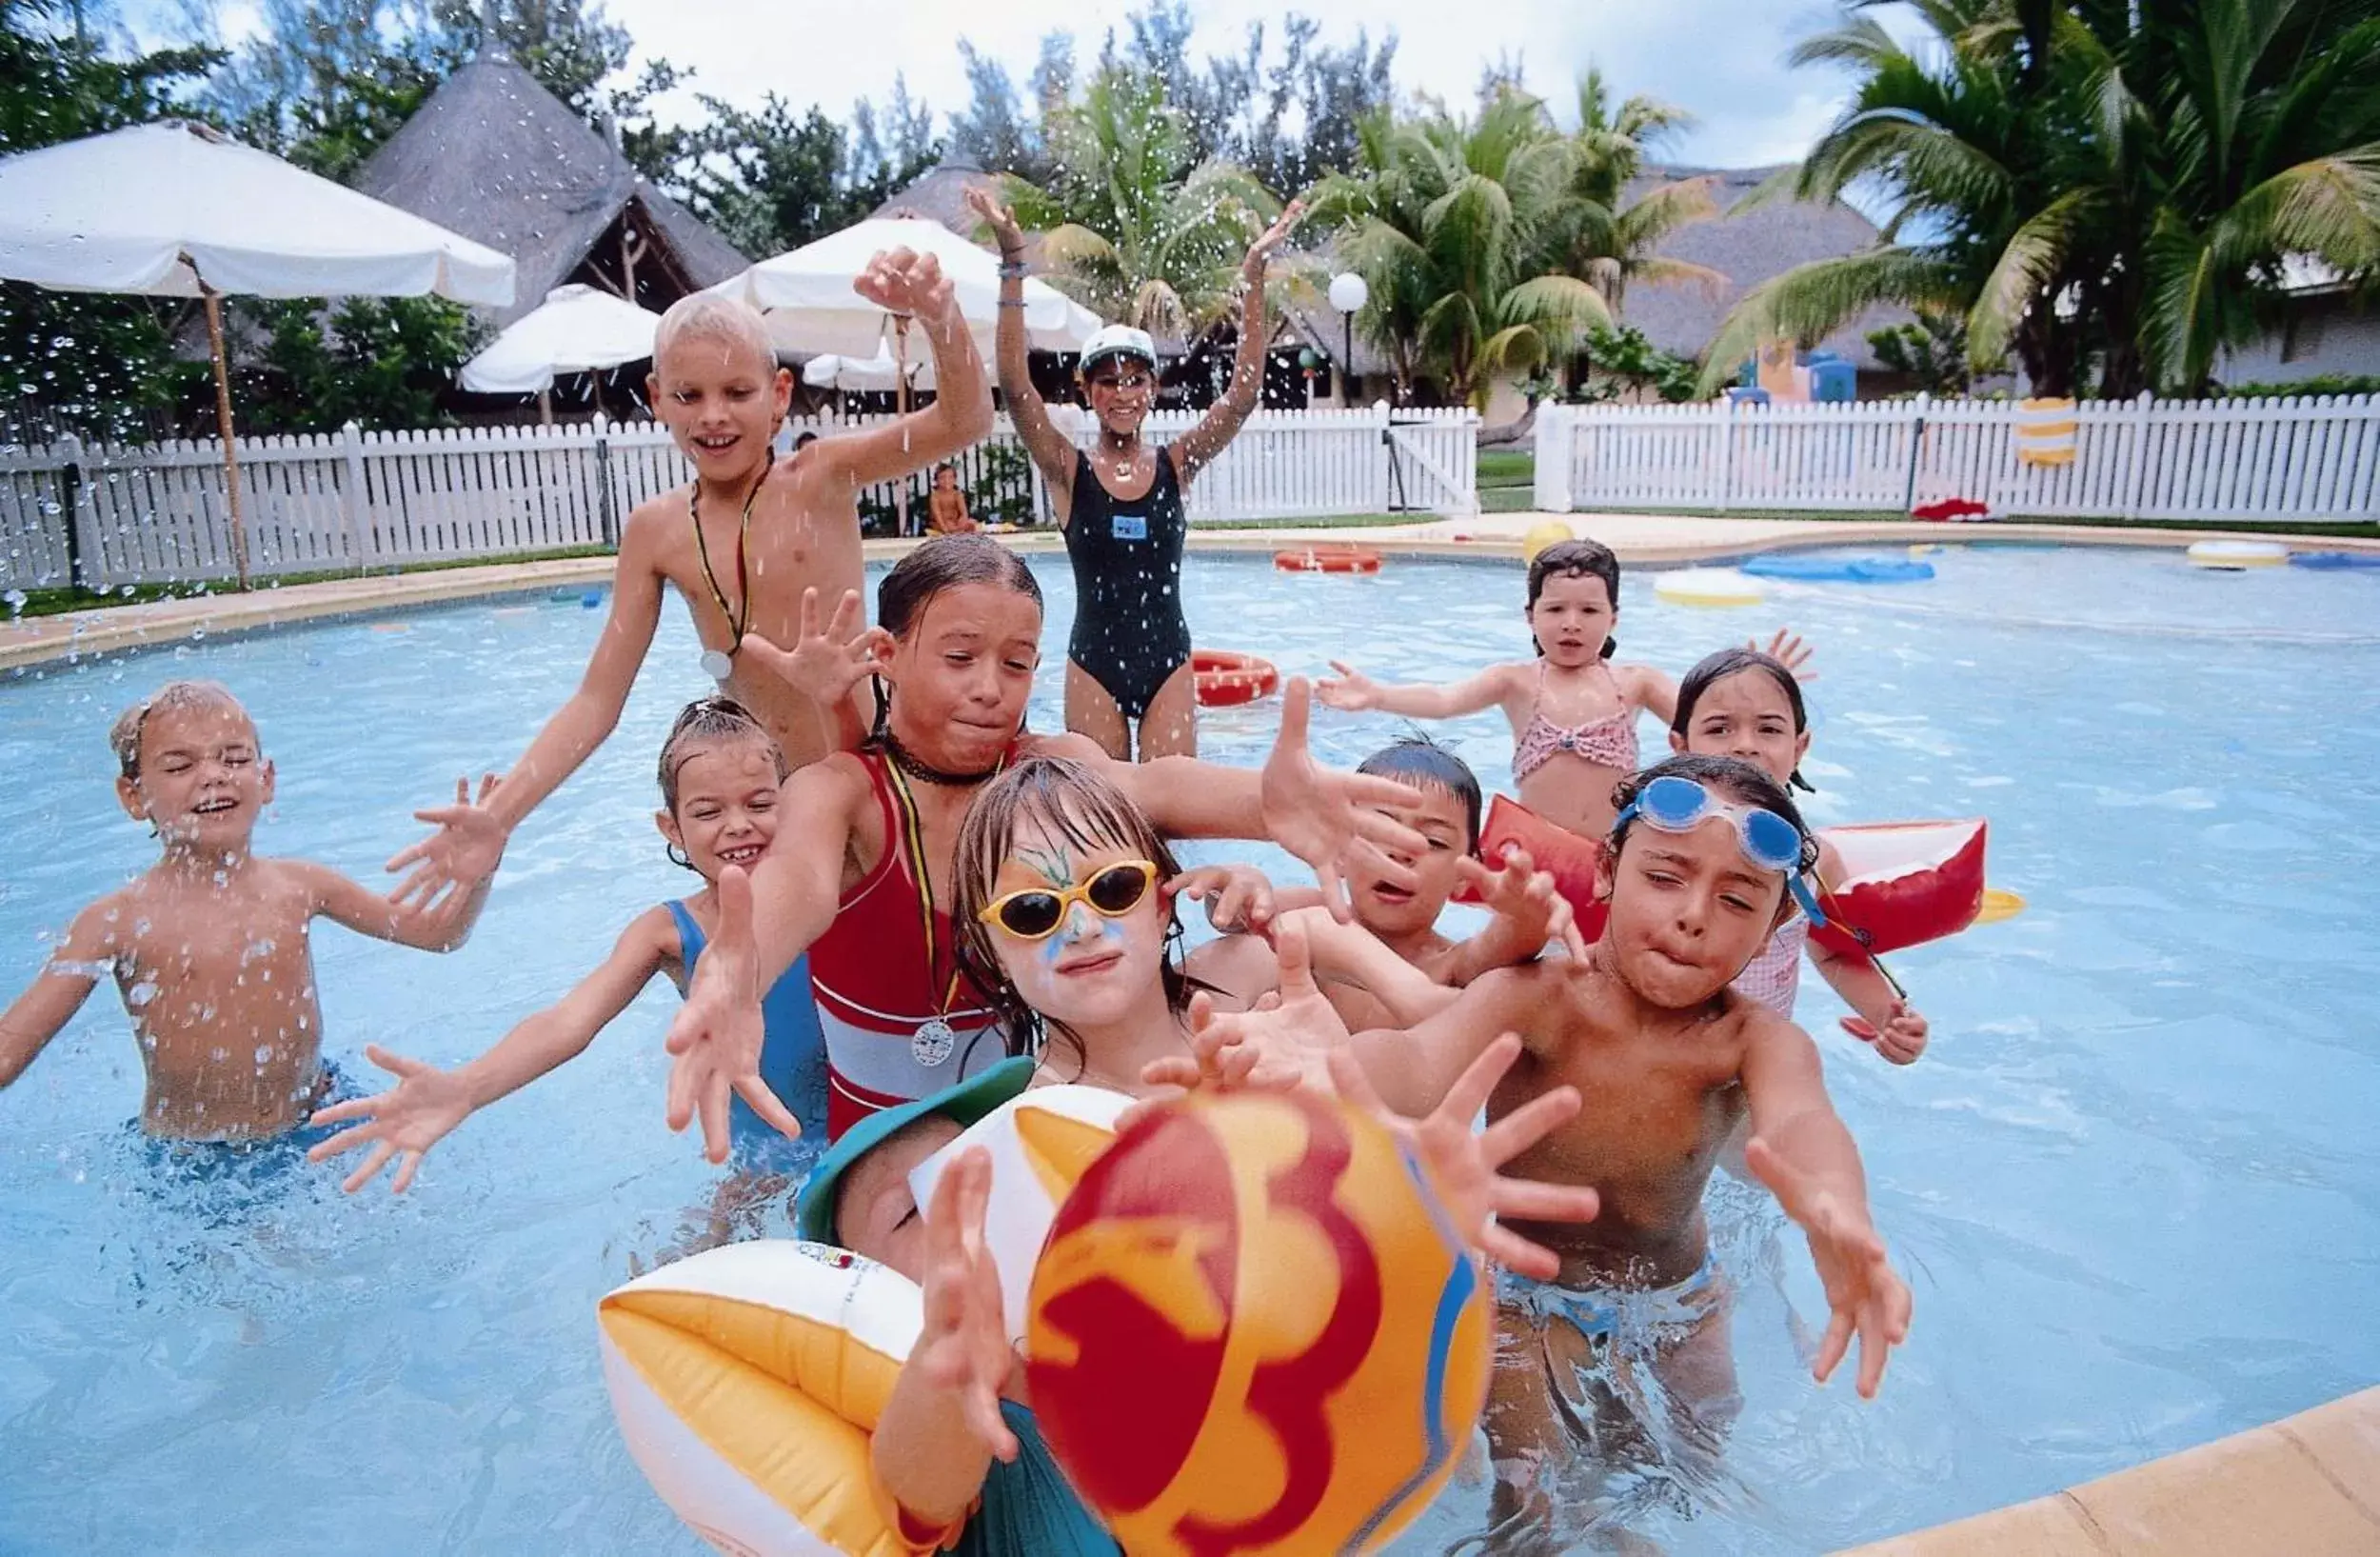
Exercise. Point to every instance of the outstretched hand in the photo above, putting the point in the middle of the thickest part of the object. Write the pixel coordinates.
(403, 1123)
(466, 851)
(998, 217)
(1902, 1038)
(1239, 898)
(1271, 239)
(715, 1043)
(962, 1347)
(1529, 907)
(1335, 822)
(1281, 1043)
(900, 281)
(1351, 690)
(824, 663)
(1787, 650)
(1467, 1169)
(1865, 1296)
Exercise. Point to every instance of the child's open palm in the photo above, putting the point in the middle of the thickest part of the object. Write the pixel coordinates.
(900, 281)
(1866, 1295)
(824, 663)
(1351, 690)
(1284, 1042)
(962, 1347)
(466, 851)
(1529, 907)
(715, 1043)
(1327, 819)
(403, 1123)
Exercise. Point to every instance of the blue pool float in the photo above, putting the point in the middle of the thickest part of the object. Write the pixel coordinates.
(1840, 571)
(2331, 561)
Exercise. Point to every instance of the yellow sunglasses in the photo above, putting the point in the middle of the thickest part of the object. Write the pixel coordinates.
(1034, 913)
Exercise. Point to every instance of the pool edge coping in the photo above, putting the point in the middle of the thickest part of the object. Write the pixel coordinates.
(32, 642)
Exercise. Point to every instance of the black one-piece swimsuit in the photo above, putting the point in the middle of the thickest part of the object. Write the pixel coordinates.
(1129, 633)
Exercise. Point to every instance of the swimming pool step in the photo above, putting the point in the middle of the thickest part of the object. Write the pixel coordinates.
(2308, 1486)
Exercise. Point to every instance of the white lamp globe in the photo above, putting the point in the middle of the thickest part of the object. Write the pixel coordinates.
(1348, 292)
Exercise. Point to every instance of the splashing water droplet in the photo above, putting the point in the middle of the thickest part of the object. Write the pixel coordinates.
(141, 993)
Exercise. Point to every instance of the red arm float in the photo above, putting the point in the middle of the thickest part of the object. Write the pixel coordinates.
(1567, 855)
(1904, 884)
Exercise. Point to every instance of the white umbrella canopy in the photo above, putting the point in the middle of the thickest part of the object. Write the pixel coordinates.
(577, 329)
(175, 210)
(829, 370)
(808, 299)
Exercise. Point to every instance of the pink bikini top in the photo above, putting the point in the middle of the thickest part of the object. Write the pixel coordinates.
(1608, 742)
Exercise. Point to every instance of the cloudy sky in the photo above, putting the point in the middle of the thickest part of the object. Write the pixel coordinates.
(1722, 59)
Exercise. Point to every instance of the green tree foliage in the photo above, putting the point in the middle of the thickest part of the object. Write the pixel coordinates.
(1620, 361)
(1932, 353)
(102, 367)
(2105, 189)
(381, 363)
(776, 177)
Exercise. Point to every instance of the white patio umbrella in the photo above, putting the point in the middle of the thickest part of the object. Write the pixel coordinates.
(829, 370)
(174, 210)
(577, 329)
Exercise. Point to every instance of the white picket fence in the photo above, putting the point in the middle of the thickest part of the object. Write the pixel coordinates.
(2304, 459)
(106, 516)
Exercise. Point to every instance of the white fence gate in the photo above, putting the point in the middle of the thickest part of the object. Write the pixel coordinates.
(2304, 459)
(106, 516)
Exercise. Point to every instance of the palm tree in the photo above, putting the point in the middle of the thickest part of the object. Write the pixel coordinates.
(1604, 238)
(2102, 182)
(1453, 225)
(1130, 227)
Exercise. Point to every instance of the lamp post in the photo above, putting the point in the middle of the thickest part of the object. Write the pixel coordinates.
(1348, 294)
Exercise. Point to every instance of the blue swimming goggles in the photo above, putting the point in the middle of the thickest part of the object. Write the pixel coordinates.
(1674, 804)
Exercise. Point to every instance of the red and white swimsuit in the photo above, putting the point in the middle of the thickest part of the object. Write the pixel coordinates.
(875, 993)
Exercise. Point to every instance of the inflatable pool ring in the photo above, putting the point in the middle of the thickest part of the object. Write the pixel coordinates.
(1328, 559)
(746, 1379)
(1903, 884)
(1542, 535)
(1839, 570)
(1570, 858)
(1226, 680)
(1041, 1142)
(1922, 550)
(2233, 556)
(1713, 587)
(2334, 561)
(1999, 904)
(1255, 1330)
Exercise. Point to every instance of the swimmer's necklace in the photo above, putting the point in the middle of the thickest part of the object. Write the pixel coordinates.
(718, 664)
(932, 1043)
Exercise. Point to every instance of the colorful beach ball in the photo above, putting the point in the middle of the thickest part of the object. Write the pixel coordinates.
(1254, 1331)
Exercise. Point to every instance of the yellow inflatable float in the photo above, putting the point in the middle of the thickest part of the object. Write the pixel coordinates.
(1539, 536)
(1709, 587)
(2231, 556)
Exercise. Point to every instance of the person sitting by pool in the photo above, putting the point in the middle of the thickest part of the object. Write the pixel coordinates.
(946, 504)
(720, 773)
(1391, 967)
(1741, 703)
(747, 542)
(212, 947)
(1058, 878)
(1572, 711)
(861, 886)
(1646, 1025)
(1128, 661)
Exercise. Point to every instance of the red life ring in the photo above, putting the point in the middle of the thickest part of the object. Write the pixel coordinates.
(1328, 559)
(1904, 884)
(1225, 679)
(1568, 856)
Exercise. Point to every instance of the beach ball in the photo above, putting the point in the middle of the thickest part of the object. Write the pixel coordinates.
(1255, 1330)
(1539, 536)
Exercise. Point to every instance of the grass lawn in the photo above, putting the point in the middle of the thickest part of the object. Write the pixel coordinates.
(1507, 480)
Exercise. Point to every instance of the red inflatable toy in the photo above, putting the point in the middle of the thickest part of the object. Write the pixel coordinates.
(1328, 559)
(1570, 857)
(1225, 679)
(1904, 884)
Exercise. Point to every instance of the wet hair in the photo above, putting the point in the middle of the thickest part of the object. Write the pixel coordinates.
(1421, 763)
(804, 439)
(1730, 776)
(945, 563)
(708, 720)
(706, 316)
(1074, 803)
(123, 736)
(1576, 559)
(1715, 668)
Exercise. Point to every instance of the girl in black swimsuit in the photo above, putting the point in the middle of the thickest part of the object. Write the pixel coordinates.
(1129, 661)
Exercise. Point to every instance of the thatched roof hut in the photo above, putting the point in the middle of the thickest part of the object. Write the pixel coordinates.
(495, 156)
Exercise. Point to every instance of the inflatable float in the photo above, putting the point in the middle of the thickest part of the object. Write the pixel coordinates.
(2334, 561)
(1567, 856)
(1328, 559)
(1712, 587)
(1226, 679)
(1902, 884)
(1839, 570)
(2233, 556)
(746, 1379)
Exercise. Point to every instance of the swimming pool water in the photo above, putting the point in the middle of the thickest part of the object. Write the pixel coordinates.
(2133, 1183)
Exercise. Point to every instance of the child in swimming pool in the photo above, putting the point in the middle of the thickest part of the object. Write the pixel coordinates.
(211, 947)
(720, 772)
(1422, 967)
(1741, 703)
(746, 540)
(1572, 711)
(1704, 860)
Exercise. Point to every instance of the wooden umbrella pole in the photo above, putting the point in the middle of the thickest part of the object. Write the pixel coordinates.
(223, 423)
(901, 402)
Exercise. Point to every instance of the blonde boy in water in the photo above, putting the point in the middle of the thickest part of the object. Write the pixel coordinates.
(751, 544)
(210, 945)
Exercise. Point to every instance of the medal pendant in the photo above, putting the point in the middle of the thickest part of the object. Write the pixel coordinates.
(717, 665)
(932, 1043)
